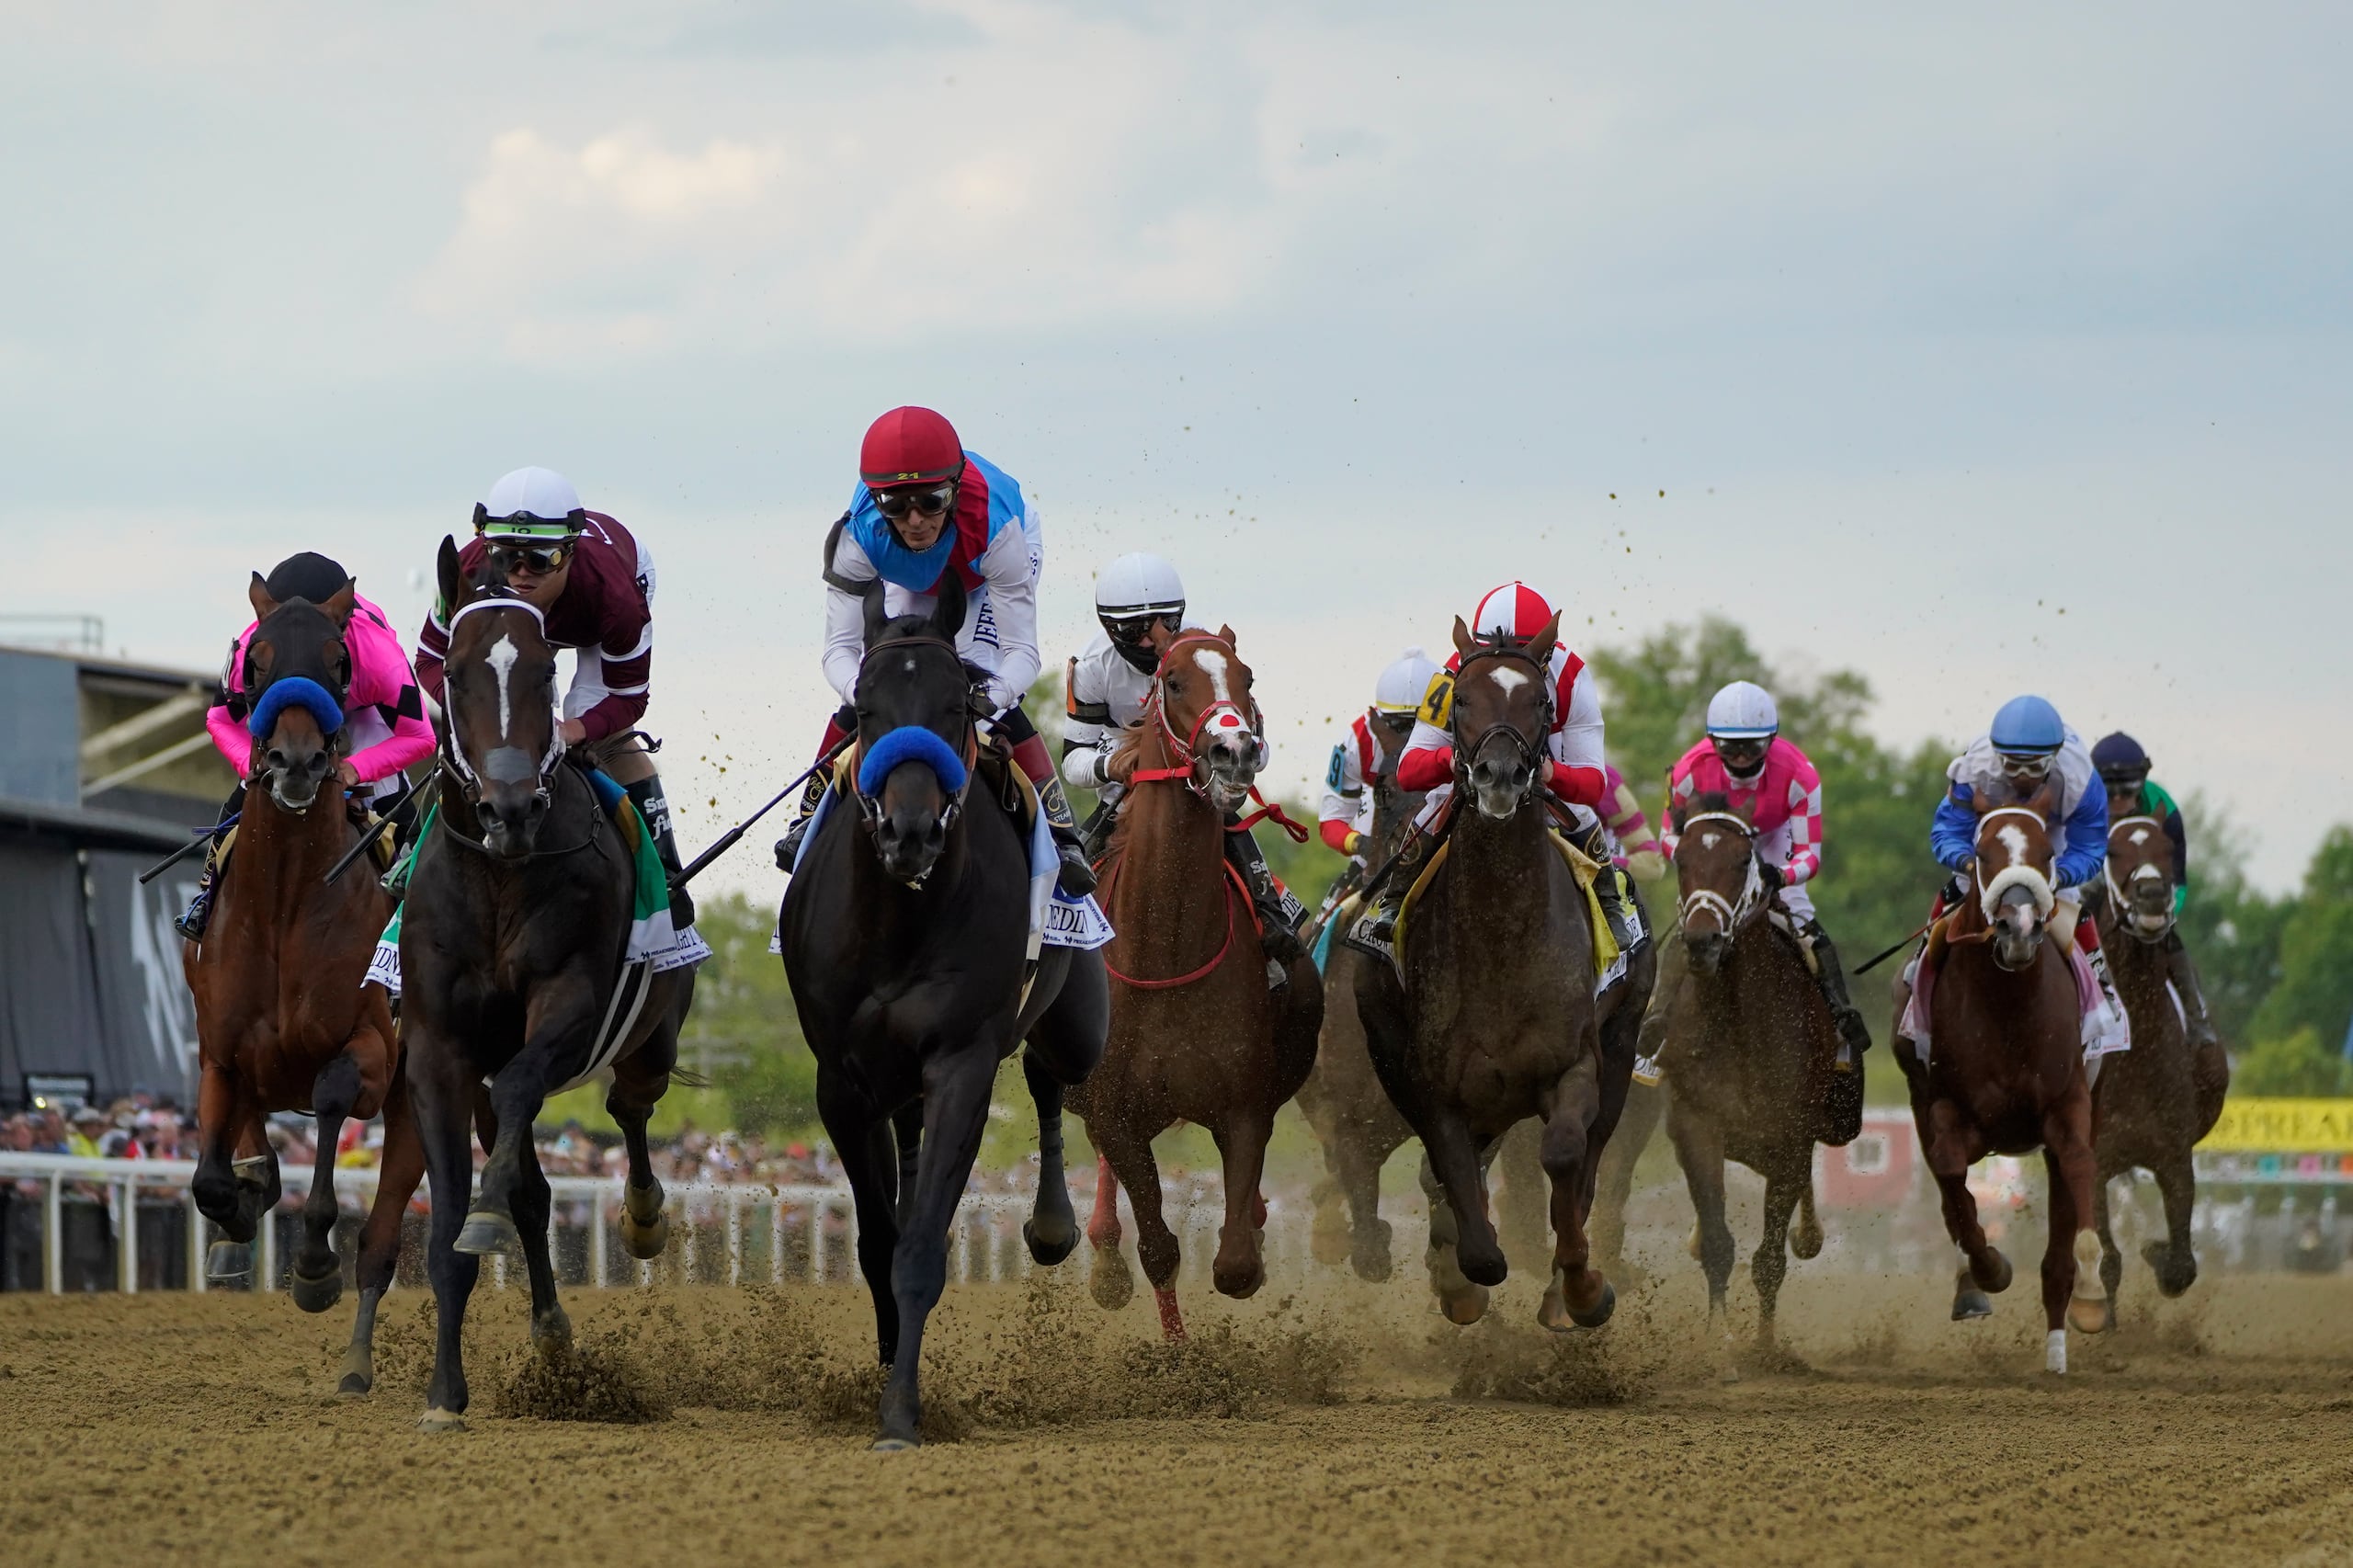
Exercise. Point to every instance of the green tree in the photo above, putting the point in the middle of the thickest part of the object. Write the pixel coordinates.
(2315, 989)
(744, 1034)
(2298, 1067)
(2229, 926)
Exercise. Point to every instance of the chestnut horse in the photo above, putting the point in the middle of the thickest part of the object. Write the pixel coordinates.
(1750, 1047)
(1495, 1020)
(1343, 1099)
(1196, 1036)
(2005, 1073)
(2155, 1102)
(283, 1019)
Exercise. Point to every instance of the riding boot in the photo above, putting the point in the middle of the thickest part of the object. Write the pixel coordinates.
(1279, 913)
(1076, 877)
(1854, 1033)
(788, 848)
(653, 806)
(2183, 972)
(1095, 834)
(198, 913)
(1618, 904)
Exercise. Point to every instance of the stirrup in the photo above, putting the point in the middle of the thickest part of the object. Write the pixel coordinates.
(192, 921)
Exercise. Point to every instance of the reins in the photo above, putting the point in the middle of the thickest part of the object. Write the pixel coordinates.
(1532, 752)
(2119, 897)
(453, 754)
(1734, 914)
(1185, 759)
(870, 807)
(1227, 883)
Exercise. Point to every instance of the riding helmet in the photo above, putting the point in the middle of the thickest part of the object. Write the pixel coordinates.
(530, 504)
(1743, 712)
(1405, 683)
(909, 446)
(1515, 610)
(2027, 726)
(2120, 760)
(309, 575)
(1129, 594)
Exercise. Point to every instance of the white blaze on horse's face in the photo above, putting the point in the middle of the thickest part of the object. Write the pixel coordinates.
(1509, 679)
(1706, 841)
(2140, 836)
(2014, 840)
(501, 657)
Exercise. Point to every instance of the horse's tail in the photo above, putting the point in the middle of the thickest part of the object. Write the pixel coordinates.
(687, 1078)
(1805, 1238)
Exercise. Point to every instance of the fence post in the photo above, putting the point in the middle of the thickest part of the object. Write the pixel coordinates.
(734, 1238)
(194, 1245)
(596, 1237)
(776, 1237)
(53, 1235)
(270, 1249)
(126, 1252)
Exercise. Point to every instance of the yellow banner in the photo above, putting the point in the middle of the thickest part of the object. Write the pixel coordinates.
(2282, 1126)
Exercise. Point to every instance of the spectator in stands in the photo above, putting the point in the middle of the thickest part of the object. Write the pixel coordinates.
(89, 1126)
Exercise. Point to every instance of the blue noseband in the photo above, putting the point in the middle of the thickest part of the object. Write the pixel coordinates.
(910, 743)
(295, 691)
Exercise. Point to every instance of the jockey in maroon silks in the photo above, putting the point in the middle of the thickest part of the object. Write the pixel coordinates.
(924, 506)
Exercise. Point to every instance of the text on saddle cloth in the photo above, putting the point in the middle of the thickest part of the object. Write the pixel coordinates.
(1610, 960)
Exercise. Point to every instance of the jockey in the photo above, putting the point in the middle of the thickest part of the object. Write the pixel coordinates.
(1747, 759)
(593, 581)
(2125, 770)
(1108, 689)
(924, 506)
(384, 730)
(1358, 756)
(2007, 766)
(1572, 771)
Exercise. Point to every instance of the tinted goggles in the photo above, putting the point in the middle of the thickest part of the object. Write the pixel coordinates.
(1741, 755)
(1134, 630)
(896, 504)
(537, 559)
(2026, 765)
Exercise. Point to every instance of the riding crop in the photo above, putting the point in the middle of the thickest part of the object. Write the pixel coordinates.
(1873, 963)
(1349, 880)
(203, 836)
(366, 839)
(733, 836)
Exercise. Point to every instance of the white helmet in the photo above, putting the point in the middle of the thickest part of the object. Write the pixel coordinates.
(1129, 594)
(1743, 712)
(1405, 683)
(530, 502)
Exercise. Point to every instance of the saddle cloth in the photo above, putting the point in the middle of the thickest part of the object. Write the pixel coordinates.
(2106, 1030)
(1609, 962)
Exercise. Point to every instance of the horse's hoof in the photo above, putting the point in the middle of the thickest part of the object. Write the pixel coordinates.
(552, 1336)
(229, 1260)
(1486, 1269)
(2089, 1314)
(2172, 1281)
(893, 1445)
(1968, 1304)
(358, 1373)
(1328, 1244)
(1371, 1259)
(1240, 1282)
(1464, 1307)
(1994, 1276)
(316, 1295)
(486, 1233)
(1111, 1282)
(1805, 1243)
(439, 1420)
(1601, 1309)
(1052, 1242)
(644, 1243)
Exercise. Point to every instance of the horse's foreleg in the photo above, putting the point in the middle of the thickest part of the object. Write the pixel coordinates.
(2072, 1295)
(955, 1109)
(1357, 1153)
(534, 1212)
(516, 1095)
(1771, 1263)
(645, 1228)
(907, 1137)
(380, 1239)
(214, 1186)
(317, 1280)
(1239, 1269)
(2176, 1263)
(444, 1101)
(2111, 1259)
(1051, 1229)
(1578, 1291)
(1699, 1150)
(1947, 1147)
(1130, 1155)
(1614, 1182)
(862, 1142)
(1455, 1162)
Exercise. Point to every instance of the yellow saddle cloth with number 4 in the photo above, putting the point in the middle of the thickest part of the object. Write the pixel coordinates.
(1608, 960)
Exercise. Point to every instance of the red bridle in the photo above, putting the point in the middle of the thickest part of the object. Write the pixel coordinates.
(1183, 749)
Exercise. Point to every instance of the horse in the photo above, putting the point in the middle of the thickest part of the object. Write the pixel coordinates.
(2005, 1071)
(2153, 1105)
(1750, 1048)
(1342, 1098)
(1196, 1034)
(283, 1019)
(903, 935)
(1495, 1020)
(512, 944)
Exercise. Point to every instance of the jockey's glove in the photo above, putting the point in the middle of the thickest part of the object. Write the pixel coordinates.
(1771, 876)
(1350, 844)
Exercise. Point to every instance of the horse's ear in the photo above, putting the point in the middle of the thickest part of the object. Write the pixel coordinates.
(1464, 643)
(338, 609)
(1746, 811)
(1161, 636)
(449, 578)
(876, 617)
(1678, 813)
(1225, 635)
(948, 614)
(1540, 647)
(257, 593)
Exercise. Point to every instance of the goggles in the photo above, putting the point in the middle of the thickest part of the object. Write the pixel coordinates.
(896, 504)
(1742, 754)
(537, 559)
(2026, 765)
(1131, 631)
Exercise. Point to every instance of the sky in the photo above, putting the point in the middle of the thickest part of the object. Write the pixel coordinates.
(1981, 350)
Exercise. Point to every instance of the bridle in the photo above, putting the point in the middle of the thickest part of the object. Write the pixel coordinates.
(470, 782)
(1732, 914)
(2119, 896)
(1183, 750)
(1531, 749)
(870, 807)
(338, 744)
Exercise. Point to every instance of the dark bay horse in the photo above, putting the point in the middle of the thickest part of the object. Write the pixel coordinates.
(1343, 1099)
(512, 941)
(2153, 1103)
(1496, 1020)
(283, 1019)
(904, 932)
(1750, 1048)
(1196, 1036)
(2005, 1072)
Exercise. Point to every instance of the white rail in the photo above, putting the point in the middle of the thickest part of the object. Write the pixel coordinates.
(987, 1224)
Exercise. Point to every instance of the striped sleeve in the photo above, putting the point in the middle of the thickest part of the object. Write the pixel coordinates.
(1805, 823)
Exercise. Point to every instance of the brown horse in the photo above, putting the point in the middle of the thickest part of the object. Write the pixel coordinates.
(1750, 1048)
(1196, 1036)
(2005, 1073)
(1495, 1020)
(1343, 1099)
(283, 1020)
(2153, 1103)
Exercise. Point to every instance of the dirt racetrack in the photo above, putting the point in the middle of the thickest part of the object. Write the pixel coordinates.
(1344, 1426)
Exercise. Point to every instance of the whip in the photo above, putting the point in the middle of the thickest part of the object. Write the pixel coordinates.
(733, 836)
